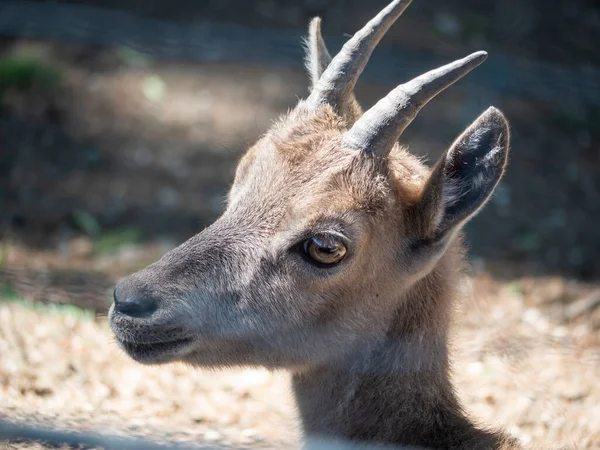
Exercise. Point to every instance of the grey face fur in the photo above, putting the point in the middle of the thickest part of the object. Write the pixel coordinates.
(246, 292)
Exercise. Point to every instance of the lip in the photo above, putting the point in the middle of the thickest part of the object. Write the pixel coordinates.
(156, 351)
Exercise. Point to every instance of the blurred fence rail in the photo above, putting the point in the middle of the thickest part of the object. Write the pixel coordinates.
(217, 42)
(77, 439)
(29, 433)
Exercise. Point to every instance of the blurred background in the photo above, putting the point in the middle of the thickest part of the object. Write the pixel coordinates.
(121, 122)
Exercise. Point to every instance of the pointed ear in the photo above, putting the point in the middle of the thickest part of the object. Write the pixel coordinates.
(317, 56)
(465, 177)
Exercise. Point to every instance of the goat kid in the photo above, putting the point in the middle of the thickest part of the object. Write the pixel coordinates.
(338, 257)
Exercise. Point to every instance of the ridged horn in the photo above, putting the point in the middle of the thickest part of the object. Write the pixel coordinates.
(336, 84)
(379, 128)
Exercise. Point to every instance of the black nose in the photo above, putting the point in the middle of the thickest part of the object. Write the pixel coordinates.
(135, 307)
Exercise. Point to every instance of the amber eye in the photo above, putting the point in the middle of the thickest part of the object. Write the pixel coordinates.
(324, 250)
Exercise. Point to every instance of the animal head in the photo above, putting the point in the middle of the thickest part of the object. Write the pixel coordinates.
(328, 223)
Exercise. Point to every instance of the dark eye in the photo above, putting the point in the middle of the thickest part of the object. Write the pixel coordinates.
(324, 250)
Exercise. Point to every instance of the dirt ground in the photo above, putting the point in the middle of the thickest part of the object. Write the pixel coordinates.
(526, 359)
(124, 157)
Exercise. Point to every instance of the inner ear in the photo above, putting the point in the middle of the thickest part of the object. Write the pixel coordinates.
(466, 175)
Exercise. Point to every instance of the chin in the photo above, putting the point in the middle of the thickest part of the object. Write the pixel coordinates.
(159, 352)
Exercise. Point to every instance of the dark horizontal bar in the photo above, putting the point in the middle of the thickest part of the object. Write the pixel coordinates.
(216, 42)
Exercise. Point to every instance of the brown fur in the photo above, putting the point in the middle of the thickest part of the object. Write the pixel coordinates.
(366, 340)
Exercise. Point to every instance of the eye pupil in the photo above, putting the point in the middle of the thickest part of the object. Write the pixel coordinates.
(326, 251)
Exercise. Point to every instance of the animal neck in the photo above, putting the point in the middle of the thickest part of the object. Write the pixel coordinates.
(396, 388)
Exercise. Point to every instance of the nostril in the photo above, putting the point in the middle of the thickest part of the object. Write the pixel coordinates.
(135, 307)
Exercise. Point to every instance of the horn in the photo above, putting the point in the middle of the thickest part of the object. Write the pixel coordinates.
(378, 129)
(336, 84)
(317, 55)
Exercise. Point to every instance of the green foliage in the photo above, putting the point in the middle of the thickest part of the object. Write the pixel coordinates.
(71, 310)
(25, 72)
(4, 250)
(9, 294)
(86, 222)
(133, 58)
(111, 240)
(514, 287)
(104, 241)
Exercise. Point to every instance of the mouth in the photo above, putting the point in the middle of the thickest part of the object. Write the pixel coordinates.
(155, 352)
